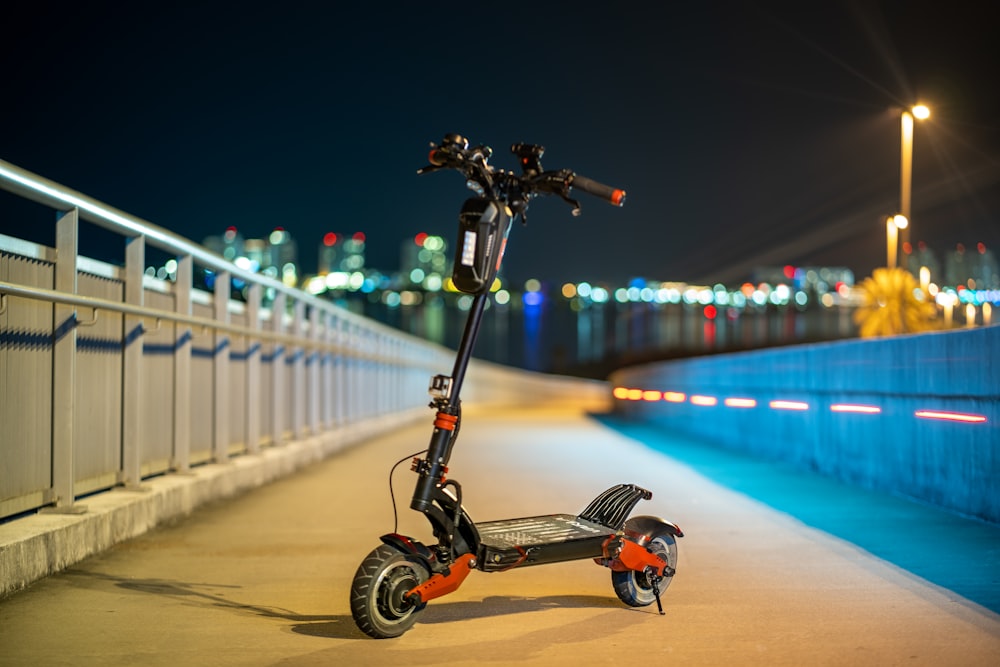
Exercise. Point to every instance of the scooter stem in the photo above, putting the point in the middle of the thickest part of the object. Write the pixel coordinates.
(435, 466)
(466, 345)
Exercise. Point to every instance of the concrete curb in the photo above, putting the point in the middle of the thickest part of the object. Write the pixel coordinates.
(41, 544)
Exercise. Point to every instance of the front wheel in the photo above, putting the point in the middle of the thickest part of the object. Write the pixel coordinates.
(636, 588)
(378, 593)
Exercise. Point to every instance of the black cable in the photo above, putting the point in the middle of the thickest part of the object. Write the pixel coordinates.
(392, 496)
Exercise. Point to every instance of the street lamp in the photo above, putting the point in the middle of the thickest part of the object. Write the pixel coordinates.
(893, 224)
(920, 112)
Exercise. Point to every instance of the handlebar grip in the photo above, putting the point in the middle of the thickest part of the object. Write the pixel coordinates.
(609, 194)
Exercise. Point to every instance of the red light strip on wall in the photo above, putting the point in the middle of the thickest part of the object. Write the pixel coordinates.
(788, 405)
(652, 395)
(951, 416)
(863, 409)
(740, 403)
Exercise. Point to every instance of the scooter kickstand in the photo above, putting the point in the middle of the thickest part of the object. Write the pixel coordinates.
(656, 591)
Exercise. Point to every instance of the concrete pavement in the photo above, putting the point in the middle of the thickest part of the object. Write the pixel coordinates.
(263, 579)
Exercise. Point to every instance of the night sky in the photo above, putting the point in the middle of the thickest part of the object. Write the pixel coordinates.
(745, 133)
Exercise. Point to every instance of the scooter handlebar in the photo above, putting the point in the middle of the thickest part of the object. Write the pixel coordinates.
(613, 196)
(455, 153)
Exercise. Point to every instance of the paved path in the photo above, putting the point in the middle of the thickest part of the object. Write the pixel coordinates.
(264, 579)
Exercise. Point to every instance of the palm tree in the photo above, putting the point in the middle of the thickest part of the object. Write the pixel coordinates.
(893, 303)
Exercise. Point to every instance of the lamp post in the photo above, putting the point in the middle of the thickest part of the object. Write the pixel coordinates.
(920, 112)
(893, 225)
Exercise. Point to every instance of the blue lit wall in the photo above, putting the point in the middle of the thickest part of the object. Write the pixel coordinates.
(916, 415)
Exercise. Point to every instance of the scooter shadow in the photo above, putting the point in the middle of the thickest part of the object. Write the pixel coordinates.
(499, 605)
(449, 612)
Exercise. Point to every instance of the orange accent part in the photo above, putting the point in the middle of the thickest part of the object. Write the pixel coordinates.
(618, 197)
(445, 421)
(434, 159)
(633, 557)
(503, 247)
(443, 584)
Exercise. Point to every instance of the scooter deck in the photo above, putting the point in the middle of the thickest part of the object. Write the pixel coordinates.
(536, 540)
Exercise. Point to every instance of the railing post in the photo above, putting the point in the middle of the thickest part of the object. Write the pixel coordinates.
(278, 371)
(64, 369)
(353, 388)
(399, 375)
(315, 369)
(252, 406)
(399, 381)
(382, 387)
(298, 371)
(182, 366)
(339, 371)
(135, 259)
(220, 370)
(326, 382)
(369, 374)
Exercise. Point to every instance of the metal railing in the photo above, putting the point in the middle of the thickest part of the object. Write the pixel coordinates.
(158, 376)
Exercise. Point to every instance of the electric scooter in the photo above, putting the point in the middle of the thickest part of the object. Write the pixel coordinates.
(399, 577)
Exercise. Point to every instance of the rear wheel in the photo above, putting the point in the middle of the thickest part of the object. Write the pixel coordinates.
(636, 588)
(378, 593)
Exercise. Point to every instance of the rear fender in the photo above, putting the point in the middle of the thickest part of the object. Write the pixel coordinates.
(644, 528)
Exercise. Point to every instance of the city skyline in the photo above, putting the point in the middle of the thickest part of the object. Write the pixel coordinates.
(945, 267)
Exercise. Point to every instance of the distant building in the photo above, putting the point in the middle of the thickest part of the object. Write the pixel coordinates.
(283, 255)
(229, 245)
(258, 251)
(815, 279)
(423, 262)
(922, 257)
(276, 256)
(975, 269)
(341, 253)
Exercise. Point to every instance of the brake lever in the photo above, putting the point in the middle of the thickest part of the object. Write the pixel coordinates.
(556, 183)
(574, 203)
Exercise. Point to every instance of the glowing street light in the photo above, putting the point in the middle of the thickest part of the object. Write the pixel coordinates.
(893, 224)
(920, 112)
(925, 279)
